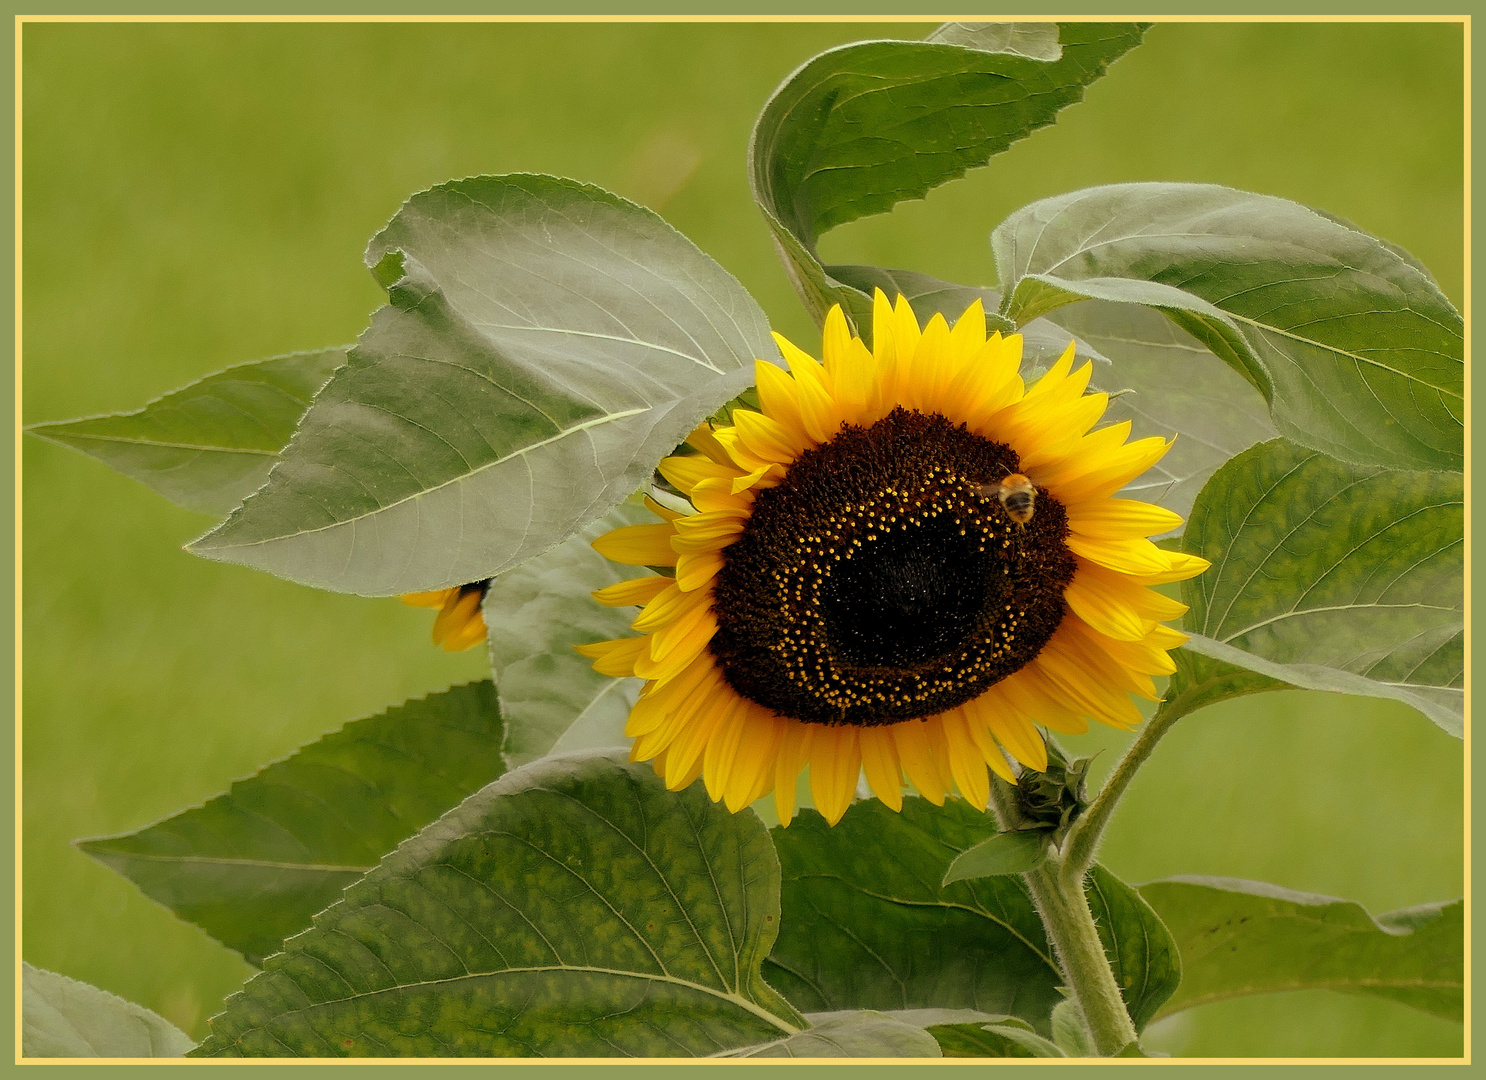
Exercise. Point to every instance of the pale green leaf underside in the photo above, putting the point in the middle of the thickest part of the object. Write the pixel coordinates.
(848, 1035)
(862, 127)
(1358, 351)
(1345, 575)
(552, 701)
(211, 444)
(867, 924)
(252, 866)
(64, 1018)
(1038, 40)
(573, 908)
(1247, 937)
(547, 343)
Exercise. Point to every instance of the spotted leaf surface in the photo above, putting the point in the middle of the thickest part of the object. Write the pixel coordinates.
(1358, 352)
(546, 344)
(251, 866)
(209, 445)
(867, 924)
(573, 908)
(1328, 576)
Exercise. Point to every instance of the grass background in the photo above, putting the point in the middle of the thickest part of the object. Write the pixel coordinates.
(197, 196)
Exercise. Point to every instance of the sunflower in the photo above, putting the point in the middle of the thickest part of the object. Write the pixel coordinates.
(897, 566)
(459, 624)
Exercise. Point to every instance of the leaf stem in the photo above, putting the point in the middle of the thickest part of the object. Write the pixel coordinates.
(1083, 838)
(1064, 909)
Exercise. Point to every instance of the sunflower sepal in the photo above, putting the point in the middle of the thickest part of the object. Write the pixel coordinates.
(1052, 800)
(1013, 851)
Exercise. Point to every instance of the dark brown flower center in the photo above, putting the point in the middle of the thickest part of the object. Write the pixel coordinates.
(882, 579)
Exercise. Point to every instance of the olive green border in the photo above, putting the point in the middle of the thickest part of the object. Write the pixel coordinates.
(661, 9)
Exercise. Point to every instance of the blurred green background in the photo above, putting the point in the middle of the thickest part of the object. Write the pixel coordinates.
(199, 195)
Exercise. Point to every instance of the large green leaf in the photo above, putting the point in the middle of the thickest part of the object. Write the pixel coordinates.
(551, 699)
(1143, 955)
(1176, 387)
(209, 445)
(862, 127)
(1328, 576)
(61, 1017)
(573, 908)
(1359, 353)
(253, 865)
(547, 343)
(867, 924)
(1248, 937)
(847, 1035)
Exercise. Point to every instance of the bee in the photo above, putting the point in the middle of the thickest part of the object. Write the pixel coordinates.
(1018, 496)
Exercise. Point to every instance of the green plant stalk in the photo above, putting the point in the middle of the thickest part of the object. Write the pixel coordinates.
(1064, 910)
(1083, 837)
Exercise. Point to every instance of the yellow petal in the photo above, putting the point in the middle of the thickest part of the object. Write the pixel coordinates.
(665, 513)
(636, 591)
(1135, 556)
(880, 763)
(780, 400)
(694, 570)
(702, 440)
(917, 755)
(689, 470)
(990, 712)
(1182, 566)
(1120, 519)
(835, 764)
(794, 752)
(638, 545)
(967, 765)
(753, 766)
(615, 658)
(765, 439)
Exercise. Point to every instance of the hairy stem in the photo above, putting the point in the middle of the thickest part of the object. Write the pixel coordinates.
(1064, 909)
(1083, 838)
(1070, 925)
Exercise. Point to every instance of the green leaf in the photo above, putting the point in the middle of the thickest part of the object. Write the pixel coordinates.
(867, 924)
(61, 1017)
(1004, 853)
(1038, 40)
(1176, 387)
(1329, 576)
(573, 908)
(1358, 352)
(1070, 1033)
(209, 445)
(1248, 937)
(546, 345)
(253, 865)
(862, 127)
(846, 1035)
(1143, 956)
(551, 699)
